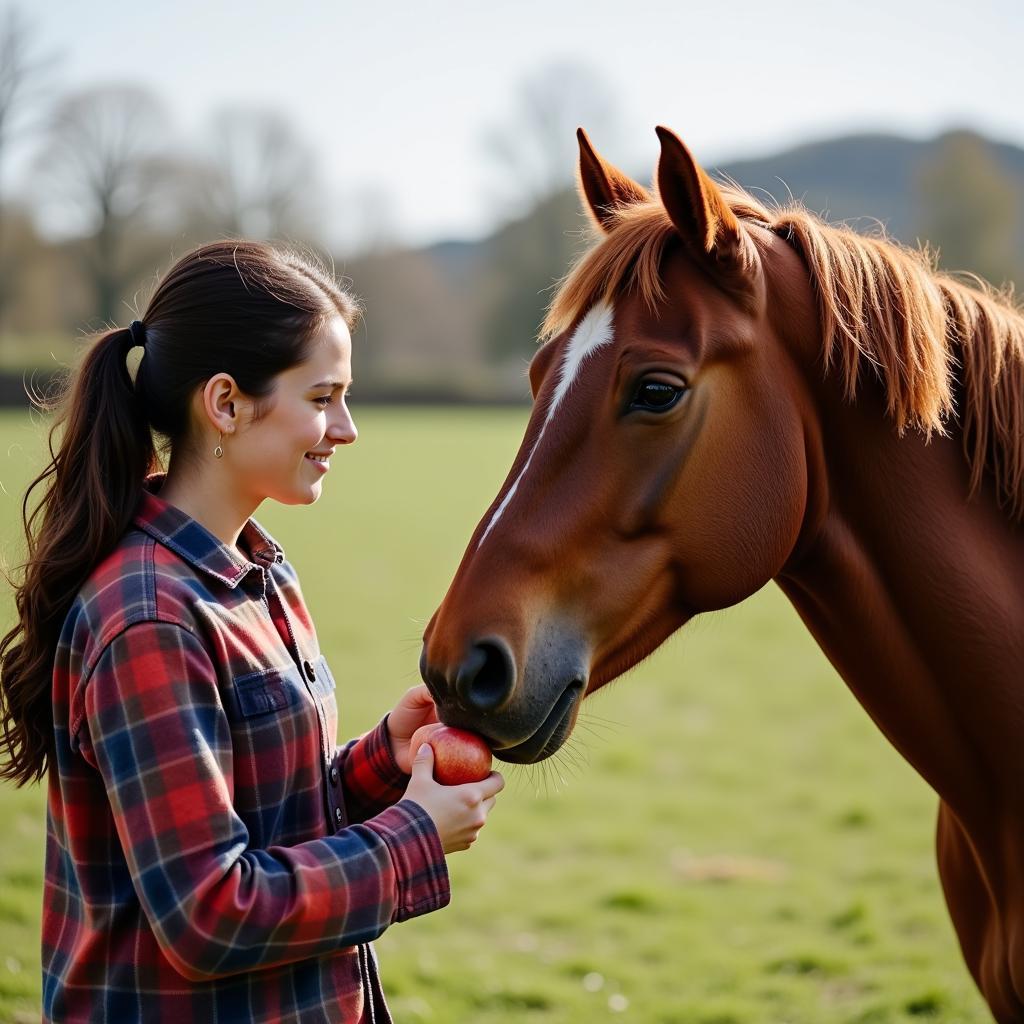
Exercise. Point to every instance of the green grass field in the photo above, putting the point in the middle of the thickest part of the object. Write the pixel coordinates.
(727, 839)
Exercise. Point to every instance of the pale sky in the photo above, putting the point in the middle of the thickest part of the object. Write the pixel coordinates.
(396, 97)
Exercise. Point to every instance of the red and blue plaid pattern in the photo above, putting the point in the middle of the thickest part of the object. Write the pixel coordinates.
(211, 855)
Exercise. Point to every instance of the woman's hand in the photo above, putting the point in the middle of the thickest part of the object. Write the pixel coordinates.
(416, 708)
(458, 812)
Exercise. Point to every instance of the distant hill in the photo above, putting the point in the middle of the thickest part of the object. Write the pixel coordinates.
(863, 178)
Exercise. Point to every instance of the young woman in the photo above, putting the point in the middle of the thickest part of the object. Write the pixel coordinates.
(211, 854)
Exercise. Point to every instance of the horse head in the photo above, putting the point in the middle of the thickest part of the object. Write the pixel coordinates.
(664, 469)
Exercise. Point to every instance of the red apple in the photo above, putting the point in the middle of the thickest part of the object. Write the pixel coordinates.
(459, 756)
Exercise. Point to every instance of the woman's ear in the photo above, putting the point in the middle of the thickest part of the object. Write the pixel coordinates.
(220, 402)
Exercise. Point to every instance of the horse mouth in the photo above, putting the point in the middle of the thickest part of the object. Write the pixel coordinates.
(551, 733)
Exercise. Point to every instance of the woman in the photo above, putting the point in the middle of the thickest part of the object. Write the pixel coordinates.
(211, 855)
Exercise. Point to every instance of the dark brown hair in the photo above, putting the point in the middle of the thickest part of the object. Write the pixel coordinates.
(243, 308)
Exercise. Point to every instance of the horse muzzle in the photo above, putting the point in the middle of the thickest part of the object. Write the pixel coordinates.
(525, 708)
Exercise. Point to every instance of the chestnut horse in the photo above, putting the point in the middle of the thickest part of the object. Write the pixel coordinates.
(731, 394)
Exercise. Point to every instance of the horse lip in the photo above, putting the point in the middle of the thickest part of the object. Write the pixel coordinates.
(535, 747)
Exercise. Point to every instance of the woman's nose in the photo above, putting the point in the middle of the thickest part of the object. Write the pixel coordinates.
(343, 429)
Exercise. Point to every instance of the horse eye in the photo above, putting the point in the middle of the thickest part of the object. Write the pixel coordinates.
(656, 396)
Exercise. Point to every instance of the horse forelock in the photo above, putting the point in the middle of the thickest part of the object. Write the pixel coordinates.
(628, 257)
(880, 304)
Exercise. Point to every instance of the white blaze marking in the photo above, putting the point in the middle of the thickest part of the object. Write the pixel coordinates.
(594, 330)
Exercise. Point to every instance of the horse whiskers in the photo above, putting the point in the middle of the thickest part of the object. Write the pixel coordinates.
(587, 715)
(599, 728)
(548, 777)
(513, 773)
(594, 737)
(594, 732)
(576, 754)
(565, 761)
(533, 775)
(538, 774)
(572, 762)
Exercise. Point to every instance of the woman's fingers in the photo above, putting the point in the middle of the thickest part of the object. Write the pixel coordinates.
(418, 697)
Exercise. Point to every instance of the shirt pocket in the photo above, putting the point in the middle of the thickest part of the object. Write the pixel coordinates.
(277, 761)
(267, 691)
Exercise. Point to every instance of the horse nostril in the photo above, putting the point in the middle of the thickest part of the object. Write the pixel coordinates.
(486, 678)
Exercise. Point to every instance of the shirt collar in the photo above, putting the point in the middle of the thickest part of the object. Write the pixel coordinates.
(191, 540)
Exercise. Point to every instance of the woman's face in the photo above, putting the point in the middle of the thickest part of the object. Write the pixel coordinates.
(287, 454)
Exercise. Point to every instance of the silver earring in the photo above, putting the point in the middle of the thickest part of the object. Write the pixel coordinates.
(218, 452)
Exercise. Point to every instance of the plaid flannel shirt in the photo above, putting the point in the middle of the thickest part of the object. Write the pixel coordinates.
(211, 854)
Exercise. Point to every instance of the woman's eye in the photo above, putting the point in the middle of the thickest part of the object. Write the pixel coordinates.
(656, 396)
(323, 400)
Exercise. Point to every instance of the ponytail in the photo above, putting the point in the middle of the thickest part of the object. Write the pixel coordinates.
(93, 485)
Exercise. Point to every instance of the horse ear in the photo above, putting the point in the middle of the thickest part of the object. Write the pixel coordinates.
(696, 206)
(605, 188)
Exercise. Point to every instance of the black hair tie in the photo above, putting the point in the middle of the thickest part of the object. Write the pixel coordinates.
(138, 333)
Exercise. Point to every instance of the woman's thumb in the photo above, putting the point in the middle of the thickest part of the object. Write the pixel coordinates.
(423, 762)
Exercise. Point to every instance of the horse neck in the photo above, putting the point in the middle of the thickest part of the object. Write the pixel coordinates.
(915, 594)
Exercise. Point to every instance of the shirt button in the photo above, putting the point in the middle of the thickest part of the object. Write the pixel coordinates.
(334, 776)
(307, 667)
(337, 815)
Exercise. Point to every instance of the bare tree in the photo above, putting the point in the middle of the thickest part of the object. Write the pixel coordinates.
(262, 181)
(101, 166)
(23, 74)
(534, 147)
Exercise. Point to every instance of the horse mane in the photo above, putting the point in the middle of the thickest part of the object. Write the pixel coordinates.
(926, 335)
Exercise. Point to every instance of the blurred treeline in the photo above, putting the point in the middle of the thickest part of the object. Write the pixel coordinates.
(116, 195)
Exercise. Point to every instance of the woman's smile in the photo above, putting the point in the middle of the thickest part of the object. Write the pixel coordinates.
(321, 461)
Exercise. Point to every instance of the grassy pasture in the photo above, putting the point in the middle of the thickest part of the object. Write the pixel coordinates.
(727, 839)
